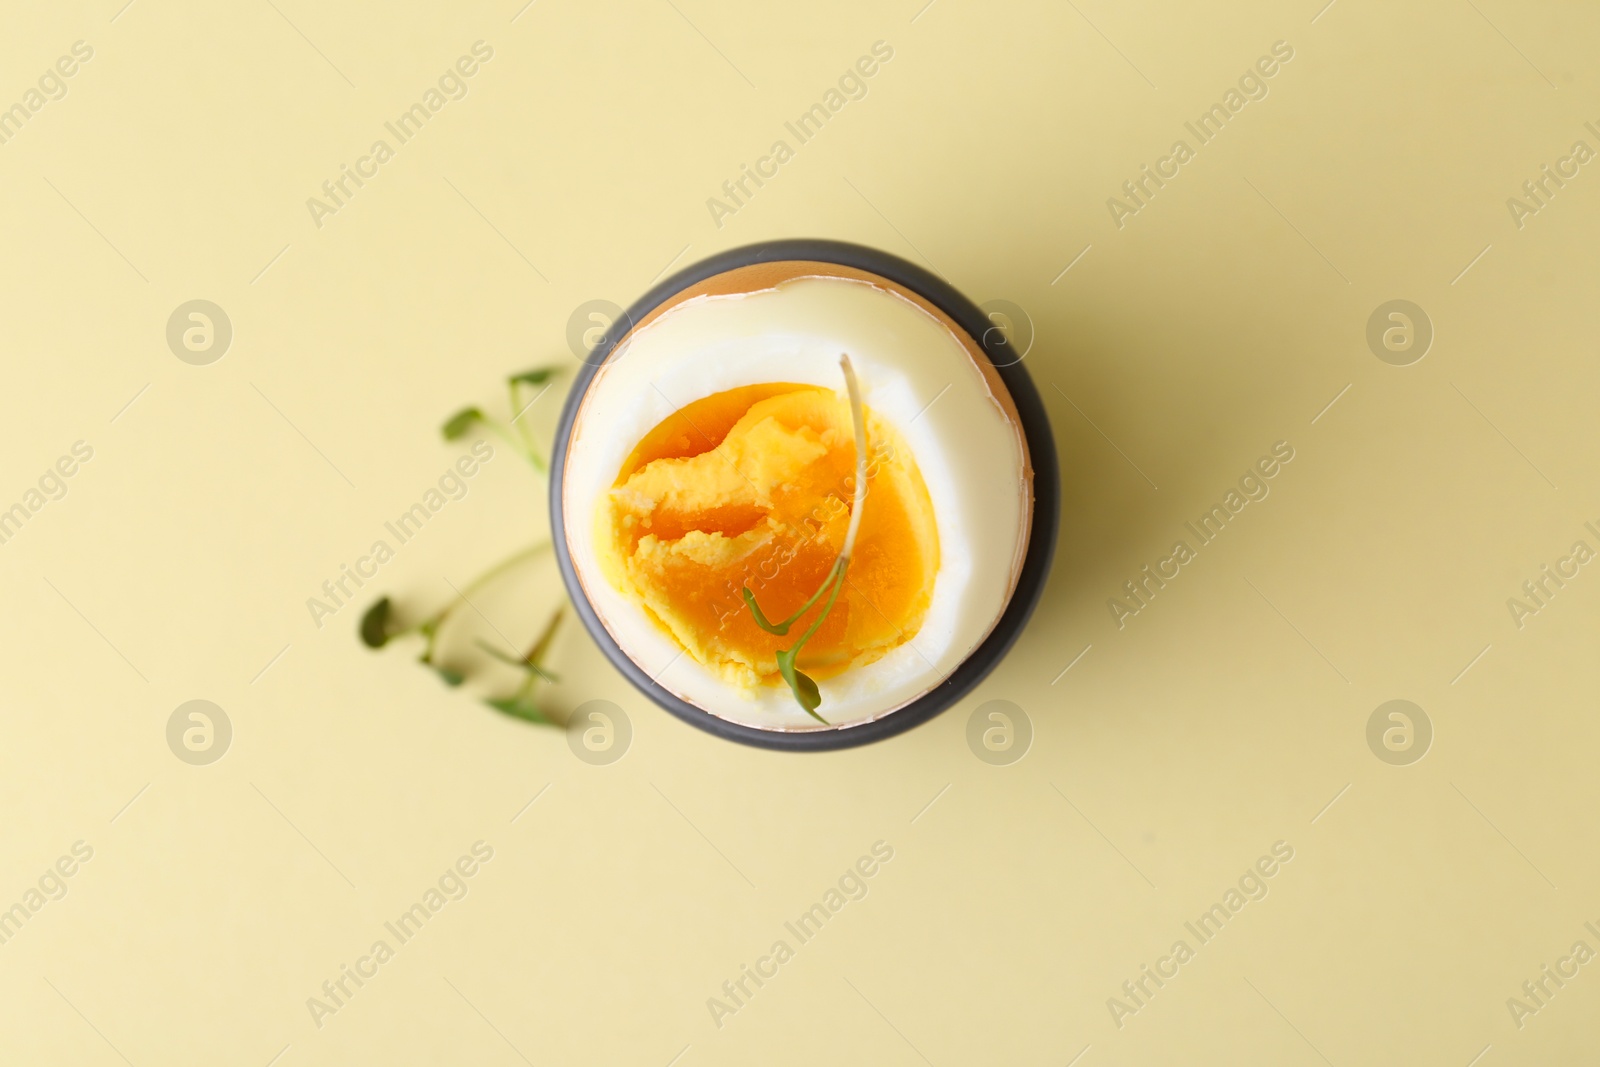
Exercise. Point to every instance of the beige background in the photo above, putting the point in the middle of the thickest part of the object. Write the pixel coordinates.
(1226, 716)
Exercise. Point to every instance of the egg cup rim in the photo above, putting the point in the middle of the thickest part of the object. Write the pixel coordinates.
(1030, 414)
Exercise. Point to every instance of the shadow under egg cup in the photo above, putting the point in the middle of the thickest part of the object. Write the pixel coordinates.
(762, 266)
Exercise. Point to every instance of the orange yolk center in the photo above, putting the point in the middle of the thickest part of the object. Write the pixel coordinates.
(752, 488)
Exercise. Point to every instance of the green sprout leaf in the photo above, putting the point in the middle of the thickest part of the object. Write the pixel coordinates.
(800, 683)
(457, 425)
(375, 624)
(536, 376)
(519, 707)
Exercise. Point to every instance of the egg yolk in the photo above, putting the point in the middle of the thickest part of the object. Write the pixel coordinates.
(752, 488)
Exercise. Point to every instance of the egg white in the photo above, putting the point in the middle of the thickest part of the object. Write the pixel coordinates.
(914, 374)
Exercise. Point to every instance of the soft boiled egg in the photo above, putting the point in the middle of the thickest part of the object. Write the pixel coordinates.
(713, 452)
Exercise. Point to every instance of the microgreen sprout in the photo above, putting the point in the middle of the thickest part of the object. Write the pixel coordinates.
(515, 432)
(379, 626)
(521, 704)
(801, 684)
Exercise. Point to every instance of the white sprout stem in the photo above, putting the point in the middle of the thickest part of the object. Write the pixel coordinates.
(858, 416)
